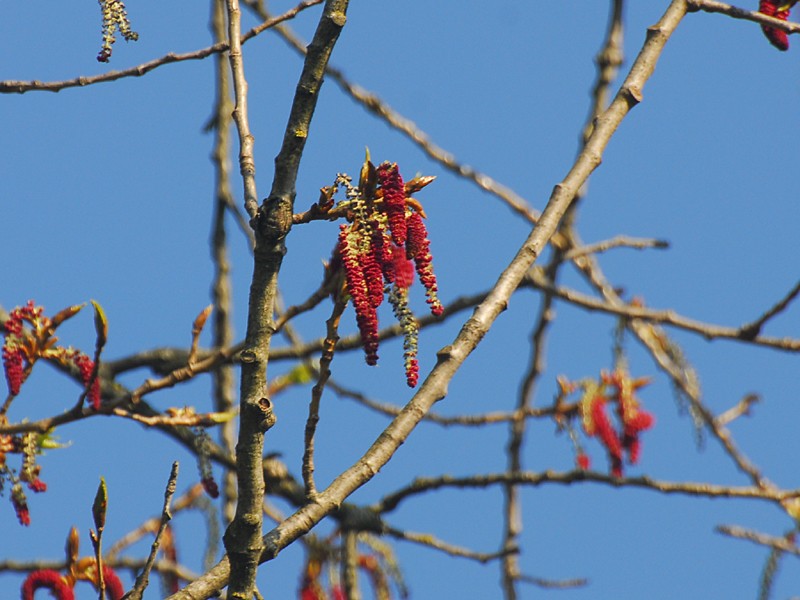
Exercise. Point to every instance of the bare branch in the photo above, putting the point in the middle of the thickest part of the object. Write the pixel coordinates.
(221, 287)
(19, 87)
(166, 516)
(423, 485)
(430, 541)
(742, 408)
(620, 241)
(247, 166)
(776, 543)
(752, 330)
(550, 584)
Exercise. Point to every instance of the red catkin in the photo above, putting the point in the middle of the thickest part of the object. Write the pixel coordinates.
(86, 367)
(418, 248)
(394, 200)
(776, 37)
(366, 317)
(13, 359)
(114, 588)
(47, 579)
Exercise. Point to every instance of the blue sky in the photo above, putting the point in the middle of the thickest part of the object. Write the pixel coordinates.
(107, 194)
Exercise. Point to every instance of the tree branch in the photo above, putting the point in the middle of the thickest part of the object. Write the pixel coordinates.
(20, 87)
(423, 485)
(271, 223)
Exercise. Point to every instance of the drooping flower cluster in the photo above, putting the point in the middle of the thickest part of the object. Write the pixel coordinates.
(114, 18)
(379, 249)
(22, 348)
(780, 10)
(28, 445)
(616, 389)
(30, 336)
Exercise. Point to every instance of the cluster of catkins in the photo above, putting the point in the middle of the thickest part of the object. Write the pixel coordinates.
(379, 251)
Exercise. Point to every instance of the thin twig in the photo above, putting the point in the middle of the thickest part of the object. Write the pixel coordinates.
(752, 330)
(166, 516)
(478, 420)
(431, 541)
(19, 87)
(742, 408)
(247, 166)
(669, 317)
(620, 241)
(762, 539)
(323, 373)
(221, 289)
(554, 584)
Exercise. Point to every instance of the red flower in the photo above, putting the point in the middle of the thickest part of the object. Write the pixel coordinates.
(373, 278)
(412, 372)
(418, 248)
(86, 367)
(13, 358)
(50, 580)
(603, 427)
(776, 37)
(366, 316)
(402, 269)
(114, 588)
(394, 200)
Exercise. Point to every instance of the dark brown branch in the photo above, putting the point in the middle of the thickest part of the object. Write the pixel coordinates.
(751, 330)
(422, 485)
